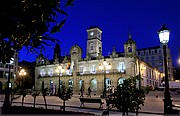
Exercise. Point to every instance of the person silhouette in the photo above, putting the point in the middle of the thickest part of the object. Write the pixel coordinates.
(89, 92)
(82, 90)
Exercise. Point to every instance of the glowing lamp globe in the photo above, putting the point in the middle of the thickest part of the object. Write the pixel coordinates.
(164, 33)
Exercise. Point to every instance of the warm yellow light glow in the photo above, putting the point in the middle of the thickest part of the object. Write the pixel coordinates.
(59, 69)
(100, 67)
(56, 70)
(62, 70)
(108, 66)
(22, 72)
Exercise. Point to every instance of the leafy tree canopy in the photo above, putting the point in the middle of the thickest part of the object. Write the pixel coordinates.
(29, 23)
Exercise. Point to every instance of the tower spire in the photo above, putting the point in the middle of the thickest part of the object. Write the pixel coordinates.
(129, 34)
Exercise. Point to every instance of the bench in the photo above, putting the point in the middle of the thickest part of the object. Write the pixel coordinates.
(91, 100)
(111, 102)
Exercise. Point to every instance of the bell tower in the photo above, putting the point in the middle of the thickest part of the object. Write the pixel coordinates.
(94, 43)
(130, 46)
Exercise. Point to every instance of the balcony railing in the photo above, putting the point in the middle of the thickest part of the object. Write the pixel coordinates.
(84, 73)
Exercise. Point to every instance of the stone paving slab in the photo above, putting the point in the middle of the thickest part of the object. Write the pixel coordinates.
(153, 103)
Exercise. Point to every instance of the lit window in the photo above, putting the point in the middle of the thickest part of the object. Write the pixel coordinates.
(50, 72)
(81, 70)
(91, 46)
(93, 69)
(121, 67)
(42, 72)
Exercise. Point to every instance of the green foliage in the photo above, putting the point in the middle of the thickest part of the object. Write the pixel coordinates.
(128, 96)
(30, 23)
(65, 94)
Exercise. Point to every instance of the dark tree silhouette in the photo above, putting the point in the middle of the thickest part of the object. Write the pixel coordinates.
(30, 24)
(128, 96)
(65, 95)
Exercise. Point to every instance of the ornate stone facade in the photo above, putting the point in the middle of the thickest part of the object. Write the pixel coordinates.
(76, 72)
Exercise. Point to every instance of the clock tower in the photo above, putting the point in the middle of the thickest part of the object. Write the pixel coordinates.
(130, 46)
(94, 43)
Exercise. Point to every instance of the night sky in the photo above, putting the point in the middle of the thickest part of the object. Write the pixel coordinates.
(115, 17)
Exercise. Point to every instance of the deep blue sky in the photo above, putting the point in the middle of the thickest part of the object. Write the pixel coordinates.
(115, 17)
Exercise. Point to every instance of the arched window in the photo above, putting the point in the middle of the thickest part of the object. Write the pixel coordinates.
(81, 84)
(91, 46)
(93, 85)
(121, 81)
(70, 83)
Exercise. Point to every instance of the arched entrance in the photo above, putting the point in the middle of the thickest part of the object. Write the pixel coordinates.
(93, 85)
(81, 84)
(70, 83)
(108, 82)
(121, 80)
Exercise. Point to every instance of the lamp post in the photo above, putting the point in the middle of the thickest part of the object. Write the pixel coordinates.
(60, 71)
(22, 73)
(104, 67)
(7, 94)
(164, 38)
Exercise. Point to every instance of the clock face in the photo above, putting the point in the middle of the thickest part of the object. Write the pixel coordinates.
(91, 33)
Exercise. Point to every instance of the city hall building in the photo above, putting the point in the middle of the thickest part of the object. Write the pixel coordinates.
(95, 70)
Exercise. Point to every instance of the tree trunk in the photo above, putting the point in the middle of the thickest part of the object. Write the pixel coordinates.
(22, 100)
(45, 101)
(64, 105)
(137, 112)
(34, 101)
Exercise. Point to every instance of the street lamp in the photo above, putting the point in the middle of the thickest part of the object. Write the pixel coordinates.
(59, 70)
(164, 38)
(105, 66)
(22, 73)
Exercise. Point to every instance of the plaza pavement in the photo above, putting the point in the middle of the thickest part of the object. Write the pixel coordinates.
(153, 104)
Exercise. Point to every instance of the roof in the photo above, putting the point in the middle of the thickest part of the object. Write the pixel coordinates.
(149, 48)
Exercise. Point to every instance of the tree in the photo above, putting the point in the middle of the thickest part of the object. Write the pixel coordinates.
(65, 94)
(128, 96)
(35, 94)
(23, 92)
(30, 24)
(44, 93)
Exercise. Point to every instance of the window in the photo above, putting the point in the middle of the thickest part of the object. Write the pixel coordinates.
(50, 72)
(81, 69)
(121, 67)
(152, 51)
(152, 58)
(42, 61)
(160, 52)
(91, 46)
(153, 64)
(93, 69)
(100, 48)
(160, 57)
(160, 64)
(138, 53)
(155, 51)
(142, 58)
(147, 58)
(42, 72)
(147, 52)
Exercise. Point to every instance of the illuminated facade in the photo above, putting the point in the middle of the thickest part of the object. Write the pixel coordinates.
(154, 56)
(94, 69)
